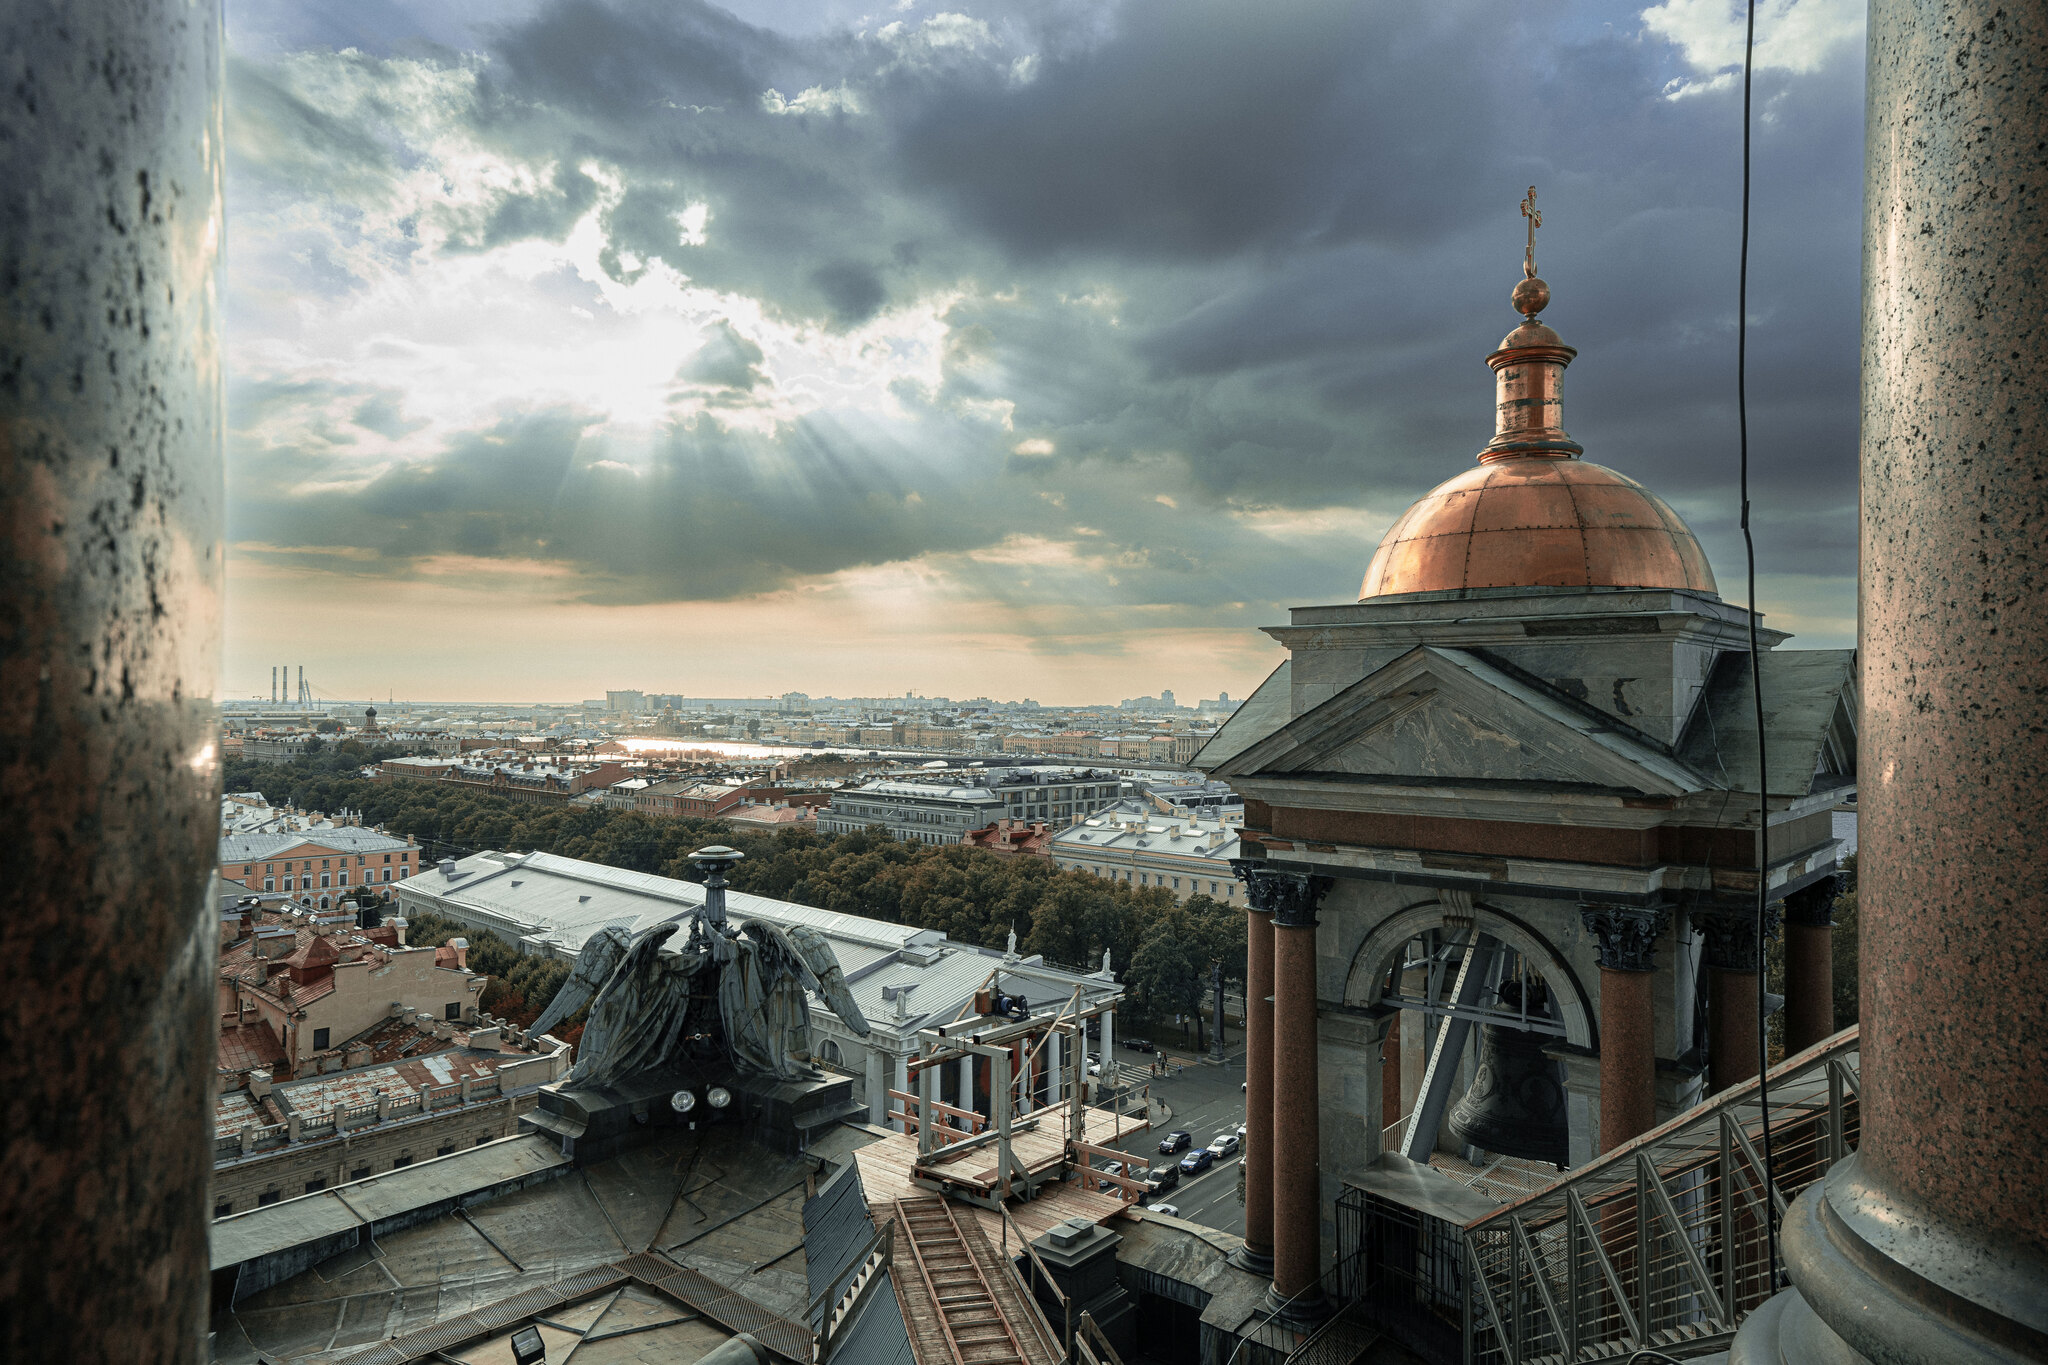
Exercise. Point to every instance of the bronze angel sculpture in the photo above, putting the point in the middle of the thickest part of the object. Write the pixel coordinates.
(641, 998)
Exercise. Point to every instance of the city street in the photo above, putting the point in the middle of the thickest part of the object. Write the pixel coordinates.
(1205, 1100)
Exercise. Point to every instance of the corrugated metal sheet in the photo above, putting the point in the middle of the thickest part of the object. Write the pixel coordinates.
(837, 1228)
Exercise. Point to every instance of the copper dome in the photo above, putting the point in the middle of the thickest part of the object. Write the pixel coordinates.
(1538, 521)
(1533, 514)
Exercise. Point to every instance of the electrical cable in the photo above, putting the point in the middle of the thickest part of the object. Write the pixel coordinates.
(1756, 672)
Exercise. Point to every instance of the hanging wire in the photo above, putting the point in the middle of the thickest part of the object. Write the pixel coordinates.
(1756, 672)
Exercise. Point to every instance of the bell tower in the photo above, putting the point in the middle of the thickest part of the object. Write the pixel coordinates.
(1500, 818)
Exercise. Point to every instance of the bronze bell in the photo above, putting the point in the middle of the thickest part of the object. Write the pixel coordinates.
(1516, 1104)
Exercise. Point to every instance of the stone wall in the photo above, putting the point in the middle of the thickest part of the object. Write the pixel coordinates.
(239, 1184)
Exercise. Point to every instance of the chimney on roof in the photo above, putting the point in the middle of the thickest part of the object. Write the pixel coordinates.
(259, 1085)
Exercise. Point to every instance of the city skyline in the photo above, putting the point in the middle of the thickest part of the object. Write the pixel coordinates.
(982, 346)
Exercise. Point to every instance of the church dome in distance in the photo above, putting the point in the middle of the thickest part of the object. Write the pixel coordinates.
(1534, 514)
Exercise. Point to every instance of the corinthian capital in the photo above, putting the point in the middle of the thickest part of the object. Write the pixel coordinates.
(1814, 903)
(1627, 934)
(1290, 897)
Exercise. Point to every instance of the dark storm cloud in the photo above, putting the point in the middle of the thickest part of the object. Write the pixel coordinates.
(1204, 129)
(1251, 256)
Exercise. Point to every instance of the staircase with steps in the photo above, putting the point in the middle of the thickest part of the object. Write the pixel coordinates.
(959, 1301)
(1343, 1340)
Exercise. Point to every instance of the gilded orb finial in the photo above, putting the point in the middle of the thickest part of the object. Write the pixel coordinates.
(1531, 295)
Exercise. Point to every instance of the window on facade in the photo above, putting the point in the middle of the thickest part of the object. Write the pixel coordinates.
(454, 1009)
(404, 872)
(269, 1196)
(316, 1184)
(1176, 883)
(267, 883)
(287, 883)
(387, 874)
(270, 867)
(320, 1036)
(341, 877)
(223, 1208)
(327, 862)
(387, 857)
(482, 1138)
(359, 1173)
(306, 865)
(326, 879)
(405, 1160)
(249, 870)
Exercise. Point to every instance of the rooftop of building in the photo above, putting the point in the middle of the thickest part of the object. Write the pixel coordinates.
(561, 902)
(255, 845)
(1134, 824)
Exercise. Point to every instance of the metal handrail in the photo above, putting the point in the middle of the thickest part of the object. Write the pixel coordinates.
(1342, 1267)
(1660, 1242)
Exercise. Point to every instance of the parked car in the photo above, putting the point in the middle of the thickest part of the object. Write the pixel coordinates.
(1113, 1168)
(1225, 1143)
(1178, 1141)
(1171, 1210)
(1201, 1159)
(1140, 1045)
(1162, 1178)
(1240, 1132)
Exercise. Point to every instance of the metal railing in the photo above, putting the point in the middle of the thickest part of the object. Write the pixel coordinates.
(1662, 1242)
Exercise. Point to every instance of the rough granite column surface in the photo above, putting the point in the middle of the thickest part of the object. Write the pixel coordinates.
(1258, 1090)
(1297, 1118)
(1954, 618)
(110, 570)
(1628, 1058)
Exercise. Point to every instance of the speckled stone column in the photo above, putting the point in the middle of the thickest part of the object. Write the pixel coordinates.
(1257, 1253)
(110, 483)
(1810, 964)
(1297, 1120)
(1931, 1243)
(1733, 982)
(1626, 935)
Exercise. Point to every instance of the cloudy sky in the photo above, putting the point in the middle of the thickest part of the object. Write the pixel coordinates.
(1043, 348)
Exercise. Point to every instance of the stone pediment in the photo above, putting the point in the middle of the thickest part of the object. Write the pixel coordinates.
(1448, 714)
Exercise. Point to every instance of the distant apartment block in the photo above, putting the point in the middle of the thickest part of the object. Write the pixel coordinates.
(269, 746)
(315, 867)
(945, 806)
(1132, 841)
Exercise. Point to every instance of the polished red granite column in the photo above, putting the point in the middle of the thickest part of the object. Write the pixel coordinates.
(1297, 1127)
(1930, 1243)
(1257, 1253)
(1810, 964)
(1626, 935)
(110, 573)
(1733, 982)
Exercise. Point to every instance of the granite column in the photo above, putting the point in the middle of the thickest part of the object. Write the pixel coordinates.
(1297, 1129)
(1626, 935)
(1810, 964)
(110, 499)
(1256, 1254)
(1734, 963)
(1930, 1242)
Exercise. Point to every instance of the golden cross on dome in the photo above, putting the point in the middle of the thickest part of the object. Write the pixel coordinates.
(1535, 217)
